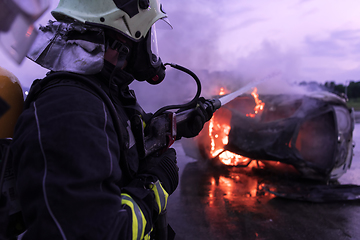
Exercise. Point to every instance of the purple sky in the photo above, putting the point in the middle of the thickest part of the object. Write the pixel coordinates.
(304, 39)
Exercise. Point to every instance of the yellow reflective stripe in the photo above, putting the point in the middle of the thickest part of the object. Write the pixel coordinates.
(138, 218)
(147, 236)
(161, 196)
(144, 124)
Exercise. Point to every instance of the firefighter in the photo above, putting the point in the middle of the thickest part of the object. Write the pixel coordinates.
(79, 175)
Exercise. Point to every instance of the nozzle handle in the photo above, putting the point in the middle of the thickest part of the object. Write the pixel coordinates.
(214, 104)
(210, 105)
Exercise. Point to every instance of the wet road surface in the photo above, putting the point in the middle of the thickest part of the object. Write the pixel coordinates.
(229, 203)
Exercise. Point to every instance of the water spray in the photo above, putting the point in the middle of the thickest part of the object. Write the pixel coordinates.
(225, 99)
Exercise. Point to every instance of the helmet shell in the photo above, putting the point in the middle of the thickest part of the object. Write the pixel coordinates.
(131, 20)
(11, 95)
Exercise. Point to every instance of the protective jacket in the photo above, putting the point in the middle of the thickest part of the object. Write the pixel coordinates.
(73, 170)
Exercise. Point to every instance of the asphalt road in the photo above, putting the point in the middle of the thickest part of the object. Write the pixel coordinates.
(213, 203)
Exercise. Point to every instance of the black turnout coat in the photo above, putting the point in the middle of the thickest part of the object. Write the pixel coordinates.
(69, 161)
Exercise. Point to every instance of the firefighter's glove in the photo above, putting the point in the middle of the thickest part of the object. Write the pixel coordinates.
(195, 122)
(164, 168)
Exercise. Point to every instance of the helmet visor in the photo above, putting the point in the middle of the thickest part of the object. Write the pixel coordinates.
(163, 24)
(154, 45)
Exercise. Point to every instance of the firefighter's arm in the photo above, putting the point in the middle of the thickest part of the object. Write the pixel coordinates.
(139, 224)
(163, 168)
(159, 175)
(144, 211)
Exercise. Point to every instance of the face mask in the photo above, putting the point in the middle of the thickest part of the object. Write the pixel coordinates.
(144, 63)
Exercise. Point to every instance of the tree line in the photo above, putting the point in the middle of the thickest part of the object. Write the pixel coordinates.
(351, 89)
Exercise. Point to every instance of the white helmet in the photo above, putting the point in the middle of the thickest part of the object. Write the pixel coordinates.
(133, 18)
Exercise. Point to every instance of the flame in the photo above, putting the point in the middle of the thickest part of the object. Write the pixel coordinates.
(222, 91)
(232, 159)
(259, 104)
(219, 131)
(213, 128)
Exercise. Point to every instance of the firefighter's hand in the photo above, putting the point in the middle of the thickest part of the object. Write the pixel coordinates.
(163, 168)
(195, 122)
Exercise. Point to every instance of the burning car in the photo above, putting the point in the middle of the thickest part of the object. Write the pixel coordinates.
(311, 133)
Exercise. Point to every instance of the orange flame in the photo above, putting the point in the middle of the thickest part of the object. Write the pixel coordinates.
(232, 159)
(259, 104)
(219, 131)
(222, 91)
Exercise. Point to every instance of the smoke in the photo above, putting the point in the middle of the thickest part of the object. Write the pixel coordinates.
(282, 69)
(218, 41)
(178, 87)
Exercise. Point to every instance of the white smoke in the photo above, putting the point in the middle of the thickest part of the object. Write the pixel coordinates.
(179, 87)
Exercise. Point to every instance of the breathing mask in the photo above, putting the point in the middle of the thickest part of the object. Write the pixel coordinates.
(144, 63)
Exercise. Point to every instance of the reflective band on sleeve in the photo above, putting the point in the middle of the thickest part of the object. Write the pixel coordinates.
(138, 218)
(161, 196)
(147, 236)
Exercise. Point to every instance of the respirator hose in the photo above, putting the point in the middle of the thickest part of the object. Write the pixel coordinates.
(188, 105)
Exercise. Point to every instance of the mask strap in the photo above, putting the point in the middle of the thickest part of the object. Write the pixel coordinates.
(123, 51)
